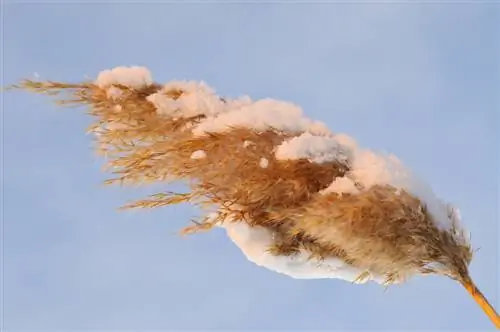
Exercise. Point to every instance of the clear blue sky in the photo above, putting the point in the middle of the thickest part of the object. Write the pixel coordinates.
(420, 81)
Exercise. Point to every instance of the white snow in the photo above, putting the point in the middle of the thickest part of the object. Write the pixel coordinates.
(318, 149)
(199, 154)
(261, 115)
(347, 141)
(367, 169)
(133, 77)
(234, 104)
(246, 144)
(197, 98)
(370, 169)
(255, 241)
(319, 128)
(263, 163)
(341, 185)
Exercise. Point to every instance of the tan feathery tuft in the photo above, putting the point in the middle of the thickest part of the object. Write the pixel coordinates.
(381, 230)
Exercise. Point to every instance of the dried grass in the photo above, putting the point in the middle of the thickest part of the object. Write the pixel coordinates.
(380, 230)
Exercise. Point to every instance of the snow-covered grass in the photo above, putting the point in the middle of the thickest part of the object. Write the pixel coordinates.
(341, 185)
(264, 162)
(254, 243)
(318, 149)
(135, 77)
(198, 154)
(369, 169)
(266, 156)
(261, 115)
(197, 98)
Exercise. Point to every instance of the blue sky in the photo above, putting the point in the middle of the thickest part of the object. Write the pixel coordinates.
(420, 81)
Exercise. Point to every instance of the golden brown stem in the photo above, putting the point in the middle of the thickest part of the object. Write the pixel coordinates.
(482, 301)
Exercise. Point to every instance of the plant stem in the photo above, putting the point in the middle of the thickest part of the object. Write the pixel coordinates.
(482, 301)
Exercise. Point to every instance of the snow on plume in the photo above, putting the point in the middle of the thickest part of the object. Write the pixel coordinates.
(346, 141)
(254, 243)
(367, 169)
(261, 115)
(133, 77)
(370, 169)
(315, 142)
(197, 99)
(318, 149)
(342, 185)
(263, 163)
(199, 154)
